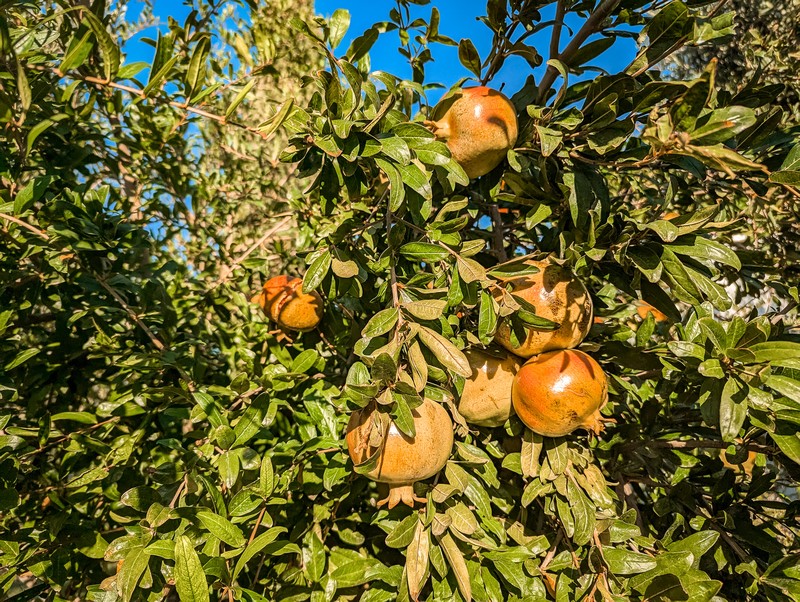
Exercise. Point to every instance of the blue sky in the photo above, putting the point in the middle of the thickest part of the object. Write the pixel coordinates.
(458, 20)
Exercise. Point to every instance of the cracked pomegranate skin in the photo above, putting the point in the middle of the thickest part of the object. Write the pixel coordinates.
(284, 301)
(558, 295)
(479, 126)
(486, 398)
(403, 460)
(558, 392)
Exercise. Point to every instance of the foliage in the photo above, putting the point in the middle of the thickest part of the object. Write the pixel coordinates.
(158, 439)
(763, 46)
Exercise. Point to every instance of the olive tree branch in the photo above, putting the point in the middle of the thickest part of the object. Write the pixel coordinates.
(182, 106)
(592, 24)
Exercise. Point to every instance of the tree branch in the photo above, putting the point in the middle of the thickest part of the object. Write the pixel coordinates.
(228, 270)
(40, 233)
(591, 26)
(555, 39)
(140, 93)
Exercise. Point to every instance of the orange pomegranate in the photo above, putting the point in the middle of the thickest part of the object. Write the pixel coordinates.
(558, 392)
(486, 398)
(645, 308)
(402, 460)
(479, 126)
(557, 295)
(284, 301)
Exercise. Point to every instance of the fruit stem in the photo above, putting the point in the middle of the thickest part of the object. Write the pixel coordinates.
(440, 129)
(596, 423)
(401, 493)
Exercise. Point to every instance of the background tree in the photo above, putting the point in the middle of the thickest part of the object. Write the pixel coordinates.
(158, 439)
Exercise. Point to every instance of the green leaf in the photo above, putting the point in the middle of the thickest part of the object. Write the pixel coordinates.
(397, 190)
(156, 79)
(108, 47)
(256, 546)
(271, 125)
(403, 532)
(469, 57)
(266, 479)
(221, 528)
(190, 579)
(133, 567)
(304, 361)
(338, 25)
(196, 71)
(626, 562)
(732, 409)
(715, 333)
(532, 445)
(76, 54)
(470, 270)
(402, 417)
(456, 561)
(396, 149)
(784, 385)
(447, 353)
(415, 179)
(21, 357)
(583, 513)
(381, 323)
(417, 555)
(362, 45)
(427, 309)
(704, 248)
(424, 251)
(317, 271)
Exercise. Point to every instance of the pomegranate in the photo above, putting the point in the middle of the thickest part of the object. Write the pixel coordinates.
(402, 460)
(559, 391)
(479, 126)
(486, 399)
(557, 295)
(283, 300)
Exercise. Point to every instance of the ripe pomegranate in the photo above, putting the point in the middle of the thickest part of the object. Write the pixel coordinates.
(557, 392)
(283, 300)
(486, 399)
(402, 460)
(645, 308)
(557, 295)
(479, 126)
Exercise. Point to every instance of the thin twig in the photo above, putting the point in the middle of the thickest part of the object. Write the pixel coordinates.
(710, 444)
(257, 525)
(132, 314)
(228, 270)
(552, 552)
(591, 26)
(40, 233)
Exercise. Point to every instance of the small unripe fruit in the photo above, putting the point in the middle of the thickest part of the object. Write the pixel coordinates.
(643, 309)
(284, 301)
(558, 296)
(479, 126)
(558, 392)
(486, 398)
(402, 460)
